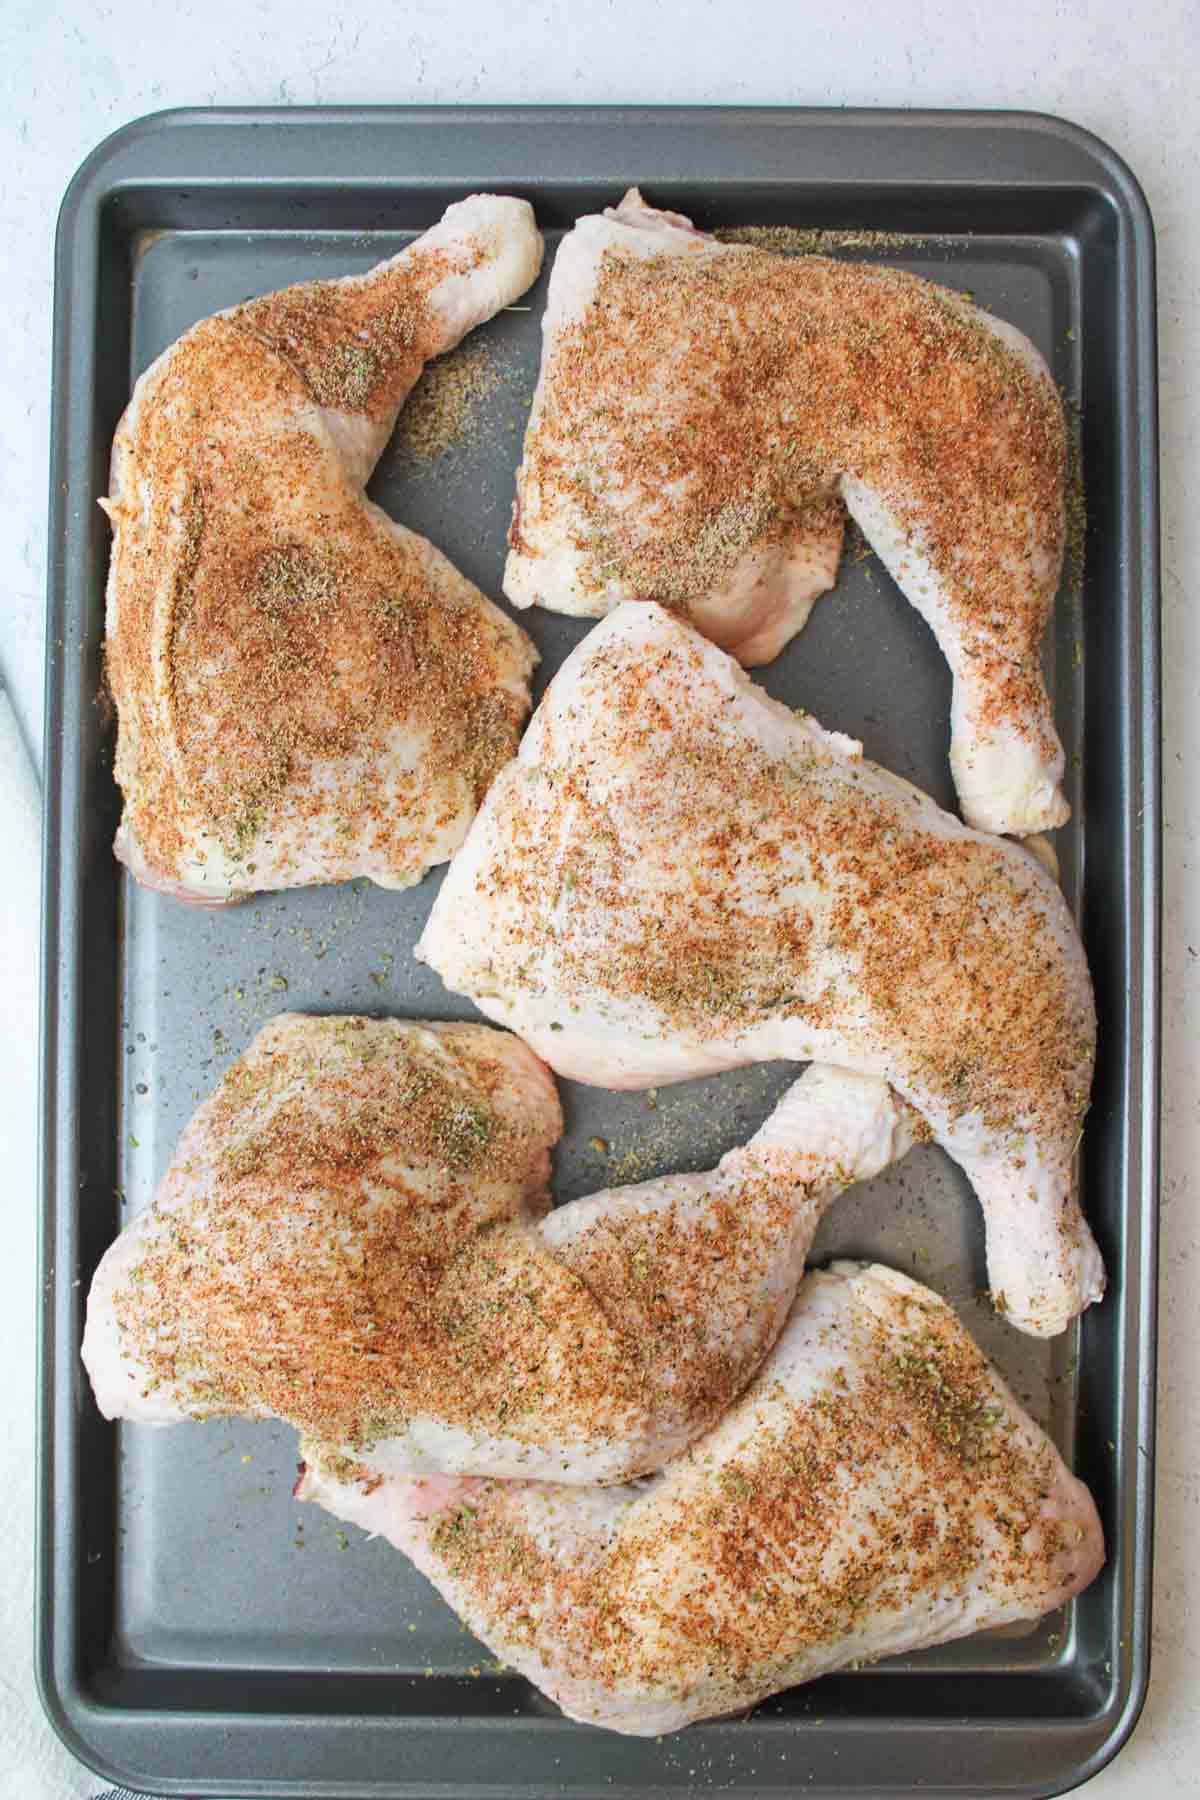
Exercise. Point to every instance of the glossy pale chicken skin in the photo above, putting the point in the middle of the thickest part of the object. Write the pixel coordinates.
(305, 690)
(708, 412)
(678, 875)
(350, 1237)
(877, 1489)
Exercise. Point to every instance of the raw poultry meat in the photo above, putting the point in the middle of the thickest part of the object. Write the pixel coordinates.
(348, 1238)
(305, 690)
(877, 1489)
(707, 412)
(338, 1162)
(678, 875)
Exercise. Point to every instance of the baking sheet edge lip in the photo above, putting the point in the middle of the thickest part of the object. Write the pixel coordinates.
(1147, 868)
(74, 241)
(90, 178)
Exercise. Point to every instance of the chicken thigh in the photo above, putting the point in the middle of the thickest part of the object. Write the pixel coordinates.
(347, 1238)
(678, 875)
(305, 691)
(707, 411)
(877, 1489)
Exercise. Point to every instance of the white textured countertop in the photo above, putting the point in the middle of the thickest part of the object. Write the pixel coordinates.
(72, 73)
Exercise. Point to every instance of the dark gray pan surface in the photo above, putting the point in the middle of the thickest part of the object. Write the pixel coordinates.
(200, 1633)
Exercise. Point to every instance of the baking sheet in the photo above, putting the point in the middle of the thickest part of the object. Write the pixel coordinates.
(200, 1632)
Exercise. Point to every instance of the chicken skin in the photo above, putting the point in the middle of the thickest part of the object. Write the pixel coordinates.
(305, 691)
(877, 1489)
(678, 875)
(708, 412)
(350, 1237)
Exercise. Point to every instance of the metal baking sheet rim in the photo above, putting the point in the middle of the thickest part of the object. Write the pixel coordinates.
(313, 149)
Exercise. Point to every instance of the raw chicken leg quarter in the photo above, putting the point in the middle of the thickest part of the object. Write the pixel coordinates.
(877, 1489)
(350, 1237)
(305, 690)
(706, 414)
(678, 875)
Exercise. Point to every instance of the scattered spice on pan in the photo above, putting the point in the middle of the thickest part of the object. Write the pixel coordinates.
(1076, 502)
(443, 412)
(816, 240)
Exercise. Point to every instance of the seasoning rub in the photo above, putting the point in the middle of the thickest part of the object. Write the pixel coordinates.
(707, 413)
(679, 875)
